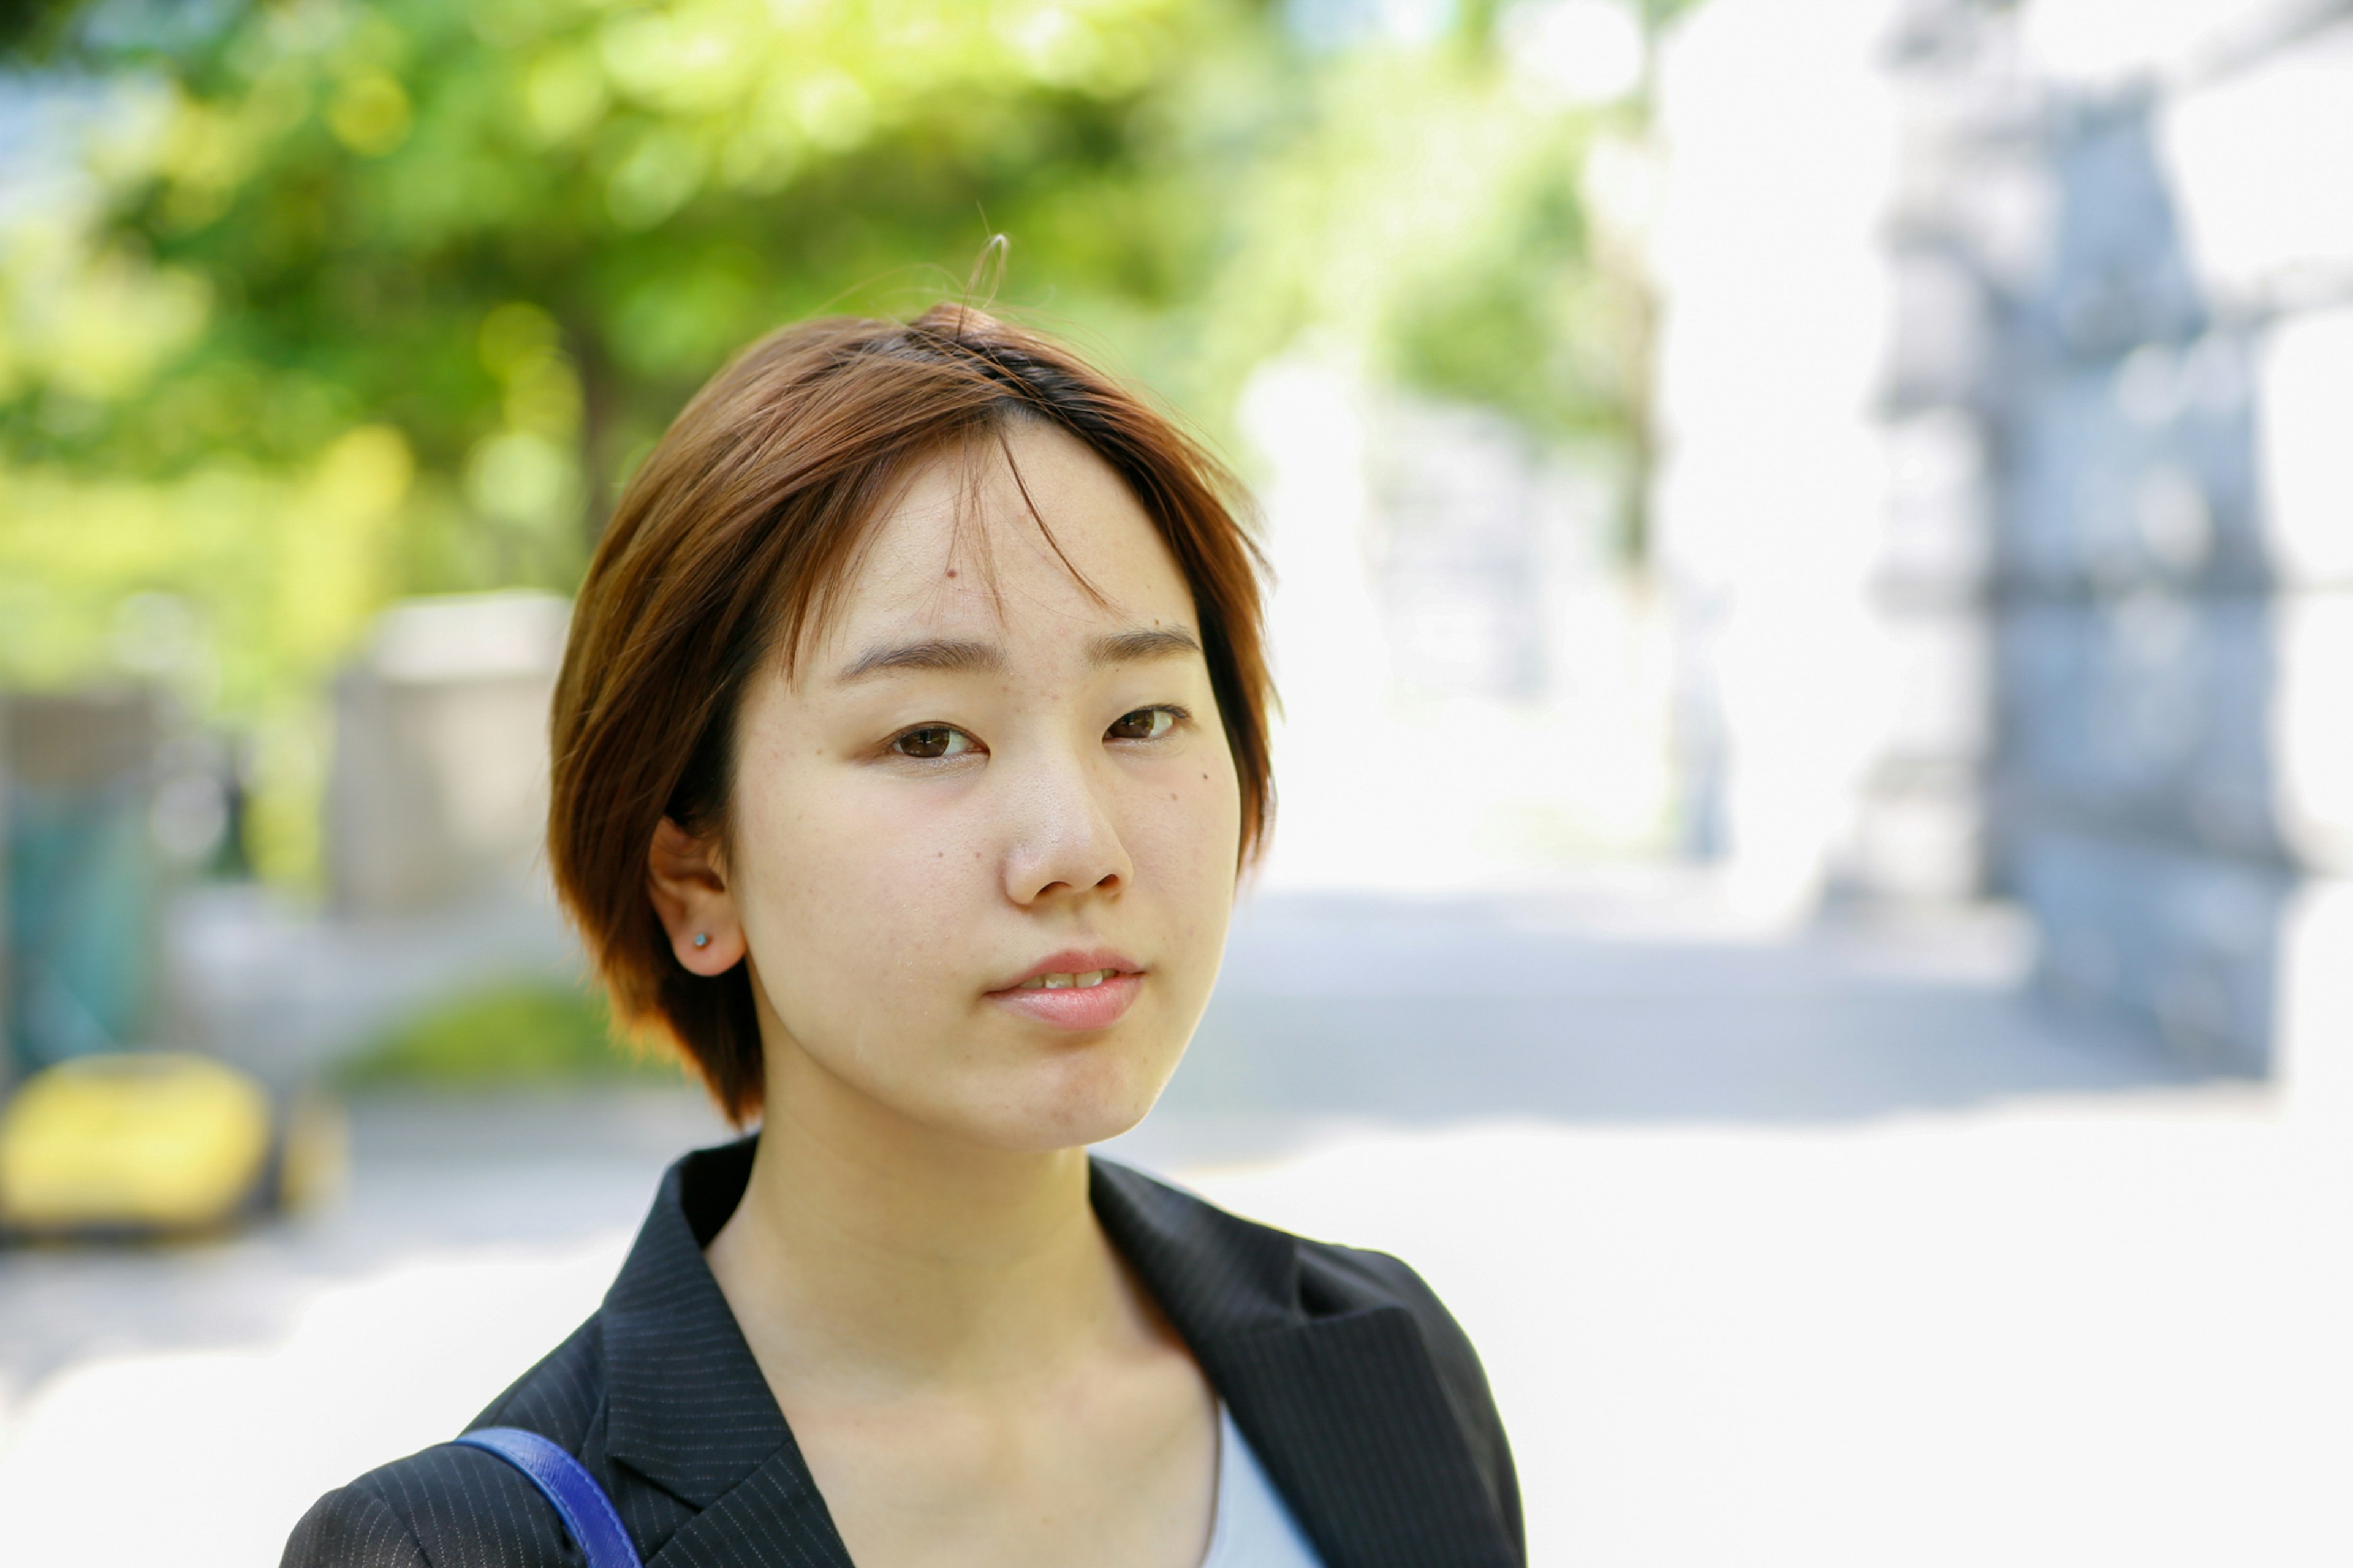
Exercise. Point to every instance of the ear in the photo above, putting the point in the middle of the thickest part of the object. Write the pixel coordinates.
(689, 888)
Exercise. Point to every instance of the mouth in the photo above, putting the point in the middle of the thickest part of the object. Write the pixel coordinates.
(1075, 990)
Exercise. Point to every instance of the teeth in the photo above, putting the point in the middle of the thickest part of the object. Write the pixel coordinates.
(1069, 982)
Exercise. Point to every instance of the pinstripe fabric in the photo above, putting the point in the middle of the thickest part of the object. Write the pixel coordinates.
(1362, 1399)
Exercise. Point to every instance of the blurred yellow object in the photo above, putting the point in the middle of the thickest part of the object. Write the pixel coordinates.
(137, 1141)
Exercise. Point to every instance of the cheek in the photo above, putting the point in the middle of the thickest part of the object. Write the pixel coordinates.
(1189, 836)
(847, 884)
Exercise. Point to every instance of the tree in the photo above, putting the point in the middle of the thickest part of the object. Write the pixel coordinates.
(335, 300)
(359, 298)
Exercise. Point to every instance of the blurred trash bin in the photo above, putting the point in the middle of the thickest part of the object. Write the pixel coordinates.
(84, 886)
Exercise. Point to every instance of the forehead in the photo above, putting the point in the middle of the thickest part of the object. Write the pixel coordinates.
(1023, 536)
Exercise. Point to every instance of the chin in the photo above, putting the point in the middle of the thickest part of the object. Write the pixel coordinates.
(1069, 1105)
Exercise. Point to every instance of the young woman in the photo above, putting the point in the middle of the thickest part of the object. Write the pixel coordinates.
(910, 743)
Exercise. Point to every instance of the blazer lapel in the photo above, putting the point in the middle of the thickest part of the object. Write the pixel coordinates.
(772, 1516)
(1346, 1411)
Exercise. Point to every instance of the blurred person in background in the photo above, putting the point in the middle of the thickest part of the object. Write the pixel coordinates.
(910, 743)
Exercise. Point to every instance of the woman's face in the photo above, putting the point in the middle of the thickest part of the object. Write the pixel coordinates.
(983, 841)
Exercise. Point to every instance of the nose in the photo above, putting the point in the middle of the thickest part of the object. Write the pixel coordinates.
(1065, 841)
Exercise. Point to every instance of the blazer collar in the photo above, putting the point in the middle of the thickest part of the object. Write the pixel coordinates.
(1344, 1408)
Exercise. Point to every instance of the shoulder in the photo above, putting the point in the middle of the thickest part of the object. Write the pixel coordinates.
(447, 1506)
(454, 1507)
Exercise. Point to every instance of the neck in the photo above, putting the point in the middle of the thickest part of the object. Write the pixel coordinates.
(871, 1251)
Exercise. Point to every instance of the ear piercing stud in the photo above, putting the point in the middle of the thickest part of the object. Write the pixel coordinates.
(702, 939)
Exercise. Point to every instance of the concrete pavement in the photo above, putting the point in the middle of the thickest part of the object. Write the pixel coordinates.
(1824, 1248)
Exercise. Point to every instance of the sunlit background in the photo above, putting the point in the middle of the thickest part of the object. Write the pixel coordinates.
(1813, 553)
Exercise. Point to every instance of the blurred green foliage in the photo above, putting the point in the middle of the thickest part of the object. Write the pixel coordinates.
(30, 26)
(508, 1035)
(336, 301)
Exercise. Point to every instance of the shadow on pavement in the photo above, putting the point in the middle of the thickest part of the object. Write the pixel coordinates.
(1398, 1011)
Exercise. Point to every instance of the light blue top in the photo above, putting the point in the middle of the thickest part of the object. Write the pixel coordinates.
(1253, 1527)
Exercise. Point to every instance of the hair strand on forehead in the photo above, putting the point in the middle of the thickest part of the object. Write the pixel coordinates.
(1046, 530)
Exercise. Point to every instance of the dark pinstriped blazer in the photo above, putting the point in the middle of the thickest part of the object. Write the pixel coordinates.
(1362, 1399)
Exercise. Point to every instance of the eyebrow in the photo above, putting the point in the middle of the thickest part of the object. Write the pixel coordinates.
(937, 653)
(1144, 643)
(959, 655)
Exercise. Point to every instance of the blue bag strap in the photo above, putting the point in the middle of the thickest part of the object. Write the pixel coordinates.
(588, 1513)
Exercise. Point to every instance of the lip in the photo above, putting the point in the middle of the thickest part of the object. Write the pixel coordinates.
(1074, 960)
(1095, 1007)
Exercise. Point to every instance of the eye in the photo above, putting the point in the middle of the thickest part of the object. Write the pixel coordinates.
(926, 742)
(1144, 724)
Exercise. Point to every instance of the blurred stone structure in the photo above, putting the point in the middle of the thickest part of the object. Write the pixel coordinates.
(436, 803)
(438, 794)
(2055, 373)
(2156, 388)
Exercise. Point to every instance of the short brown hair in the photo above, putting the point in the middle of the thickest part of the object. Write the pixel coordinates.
(721, 553)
